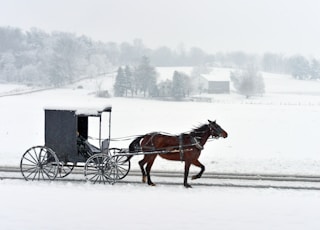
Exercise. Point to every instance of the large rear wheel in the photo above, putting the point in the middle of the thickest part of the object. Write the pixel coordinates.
(96, 169)
(39, 163)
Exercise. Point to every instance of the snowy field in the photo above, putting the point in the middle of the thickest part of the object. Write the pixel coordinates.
(277, 133)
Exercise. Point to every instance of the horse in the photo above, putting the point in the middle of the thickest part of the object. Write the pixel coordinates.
(185, 147)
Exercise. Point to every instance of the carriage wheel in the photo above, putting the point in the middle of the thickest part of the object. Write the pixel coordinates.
(96, 169)
(65, 169)
(121, 164)
(39, 163)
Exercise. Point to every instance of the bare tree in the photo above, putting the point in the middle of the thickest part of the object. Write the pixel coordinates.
(248, 82)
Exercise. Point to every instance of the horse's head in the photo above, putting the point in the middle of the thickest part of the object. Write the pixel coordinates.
(216, 131)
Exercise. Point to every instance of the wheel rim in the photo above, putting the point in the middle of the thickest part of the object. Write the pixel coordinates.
(96, 168)
(120, 164)
(65, 169)
(39, 163)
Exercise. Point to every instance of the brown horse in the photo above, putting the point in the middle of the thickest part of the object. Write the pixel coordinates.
(184, 147)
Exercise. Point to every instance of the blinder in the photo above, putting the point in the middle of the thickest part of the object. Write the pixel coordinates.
(215, 130)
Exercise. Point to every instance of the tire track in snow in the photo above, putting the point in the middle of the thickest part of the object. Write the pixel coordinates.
(210, 179)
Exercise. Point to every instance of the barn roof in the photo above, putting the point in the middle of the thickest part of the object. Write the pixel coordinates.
(218, 74)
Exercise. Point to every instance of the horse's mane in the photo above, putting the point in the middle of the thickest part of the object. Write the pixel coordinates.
(199, 129)
(196, 130)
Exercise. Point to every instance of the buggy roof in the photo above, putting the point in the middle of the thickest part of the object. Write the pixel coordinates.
(90, 111)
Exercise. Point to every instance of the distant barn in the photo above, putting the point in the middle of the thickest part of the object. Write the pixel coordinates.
(218, 81)
(218, 87)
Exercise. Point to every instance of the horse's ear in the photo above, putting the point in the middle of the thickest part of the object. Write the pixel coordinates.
(209, 121)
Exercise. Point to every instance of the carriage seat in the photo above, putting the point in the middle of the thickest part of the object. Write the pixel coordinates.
(85, 148)
(91, 148)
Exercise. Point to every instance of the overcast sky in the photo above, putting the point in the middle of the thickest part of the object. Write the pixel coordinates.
(281, 26)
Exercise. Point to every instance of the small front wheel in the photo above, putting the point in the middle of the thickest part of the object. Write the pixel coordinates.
(39, 163)
(120, 162)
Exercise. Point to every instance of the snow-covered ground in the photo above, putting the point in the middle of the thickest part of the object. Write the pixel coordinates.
(57, 205)
(277, 133)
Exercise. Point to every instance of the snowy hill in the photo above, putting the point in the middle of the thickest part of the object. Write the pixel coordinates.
(276, 130)
(277, 133)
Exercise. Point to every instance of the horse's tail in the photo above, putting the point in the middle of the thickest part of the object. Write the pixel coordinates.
(135, 146)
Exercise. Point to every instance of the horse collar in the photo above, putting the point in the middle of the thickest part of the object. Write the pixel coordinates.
(197, 143)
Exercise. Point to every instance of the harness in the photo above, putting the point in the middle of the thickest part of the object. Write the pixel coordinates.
(182, 148)
(194, 142)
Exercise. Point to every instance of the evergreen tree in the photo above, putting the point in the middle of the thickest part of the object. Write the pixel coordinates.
(180, 85)
(145, 77)
(315, 69)
(299, 67)
(129, 80)
(120, 83)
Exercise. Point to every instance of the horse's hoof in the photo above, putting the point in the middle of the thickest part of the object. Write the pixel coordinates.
(187, 186)
(151, 184)
(194, 177)
(144, 179)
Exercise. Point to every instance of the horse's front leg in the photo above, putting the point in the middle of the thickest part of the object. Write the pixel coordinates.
(186, 173)
(198, 164)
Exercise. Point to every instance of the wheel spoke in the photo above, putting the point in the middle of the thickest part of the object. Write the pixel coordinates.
(35, 160)
(34, 170)
(31, 161)
(40, 158)
(48, 169)
(121, 173)
(42, 171)
(106, 177)
(39, 174)
(93, 177)
(95, 181)
(29, 168)
(103, 179)
(48, 172)
(35, 174)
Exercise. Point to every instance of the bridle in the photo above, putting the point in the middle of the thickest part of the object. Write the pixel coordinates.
(215, 131)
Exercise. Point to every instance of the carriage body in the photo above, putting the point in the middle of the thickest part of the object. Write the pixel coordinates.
(63, 127)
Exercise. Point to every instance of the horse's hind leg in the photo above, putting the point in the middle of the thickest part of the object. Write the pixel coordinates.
(148, 169)
(198, 164)
(141, 164)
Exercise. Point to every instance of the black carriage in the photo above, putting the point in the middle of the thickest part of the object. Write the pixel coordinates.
(67, 146)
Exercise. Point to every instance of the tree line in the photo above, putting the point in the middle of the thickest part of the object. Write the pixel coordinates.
(58, 58)
(142, 80)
